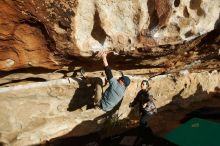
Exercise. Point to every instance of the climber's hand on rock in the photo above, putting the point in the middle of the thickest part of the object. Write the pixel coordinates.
(102, 54)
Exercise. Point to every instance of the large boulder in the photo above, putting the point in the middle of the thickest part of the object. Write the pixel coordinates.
(32, 113)
(49, 34)
(174, 42)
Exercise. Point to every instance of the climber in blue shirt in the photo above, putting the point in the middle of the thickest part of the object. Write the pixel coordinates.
(116, 90)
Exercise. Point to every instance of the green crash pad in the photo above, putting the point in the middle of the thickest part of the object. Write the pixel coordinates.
(196, 132)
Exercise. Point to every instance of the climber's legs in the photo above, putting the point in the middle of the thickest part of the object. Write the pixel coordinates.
(98, 88)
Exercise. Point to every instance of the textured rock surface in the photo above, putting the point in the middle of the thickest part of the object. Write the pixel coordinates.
(51, 33)
(22, 45)
(34, 112)
(176, 42)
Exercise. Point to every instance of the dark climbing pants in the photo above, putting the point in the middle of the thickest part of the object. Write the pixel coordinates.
(145, 116)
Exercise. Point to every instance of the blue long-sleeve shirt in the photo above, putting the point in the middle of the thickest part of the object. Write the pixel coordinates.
(113, 94)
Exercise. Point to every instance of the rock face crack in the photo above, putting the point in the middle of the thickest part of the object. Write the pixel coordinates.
(154, 19)
(196, 5)
(97, 32)
(33, 22)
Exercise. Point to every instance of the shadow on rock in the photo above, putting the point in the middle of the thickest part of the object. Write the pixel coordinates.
(83, 96)
(178, 102)
(89, 131)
